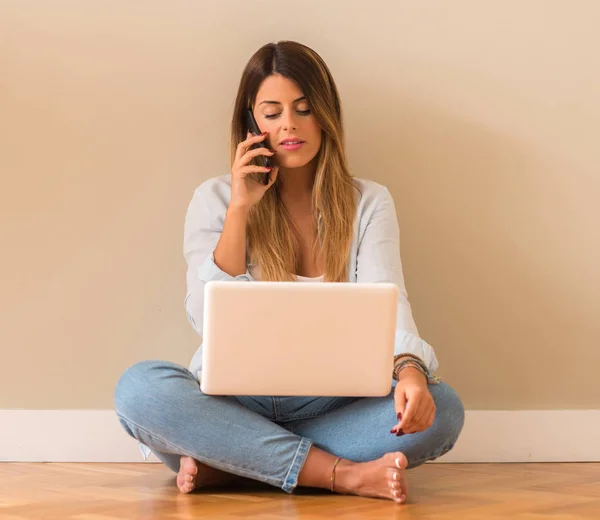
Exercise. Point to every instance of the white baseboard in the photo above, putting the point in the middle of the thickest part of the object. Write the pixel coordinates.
(488, 436)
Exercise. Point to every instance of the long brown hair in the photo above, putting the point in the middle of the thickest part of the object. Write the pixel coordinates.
(271, 243)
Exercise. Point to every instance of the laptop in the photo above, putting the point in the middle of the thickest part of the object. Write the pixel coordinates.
(298, 339)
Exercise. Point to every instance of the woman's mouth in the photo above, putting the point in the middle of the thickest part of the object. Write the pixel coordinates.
(291, 144)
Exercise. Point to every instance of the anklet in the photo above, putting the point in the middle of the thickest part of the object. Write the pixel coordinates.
(333, 473)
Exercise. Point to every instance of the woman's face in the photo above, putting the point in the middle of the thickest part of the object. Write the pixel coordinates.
(282, 110)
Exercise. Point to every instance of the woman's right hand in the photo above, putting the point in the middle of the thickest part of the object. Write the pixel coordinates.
(245, 189)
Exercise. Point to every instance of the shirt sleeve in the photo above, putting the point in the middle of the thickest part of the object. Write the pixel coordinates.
(378, 260)
(204, 222)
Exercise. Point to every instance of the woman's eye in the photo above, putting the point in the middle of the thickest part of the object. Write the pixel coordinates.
(301, 112)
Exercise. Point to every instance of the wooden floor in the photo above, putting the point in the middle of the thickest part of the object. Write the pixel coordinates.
(436, 492)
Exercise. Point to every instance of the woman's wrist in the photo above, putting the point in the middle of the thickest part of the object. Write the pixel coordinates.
(237, 212)
(412, 364)
(409, 372)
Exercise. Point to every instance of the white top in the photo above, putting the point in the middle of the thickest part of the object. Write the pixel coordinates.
(300, 278)
(374, 256)
(254, 271)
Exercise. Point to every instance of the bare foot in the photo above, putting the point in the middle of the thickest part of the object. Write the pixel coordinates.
(381, 478)
(193, 474)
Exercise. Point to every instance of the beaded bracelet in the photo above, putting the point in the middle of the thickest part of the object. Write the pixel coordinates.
(408, 363)
(412, 359)
(412, 356)
(417, 363)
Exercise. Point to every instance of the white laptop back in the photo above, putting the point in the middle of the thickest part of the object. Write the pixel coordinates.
(298, 339)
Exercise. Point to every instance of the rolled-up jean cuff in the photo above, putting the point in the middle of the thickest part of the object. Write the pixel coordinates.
(291, 479)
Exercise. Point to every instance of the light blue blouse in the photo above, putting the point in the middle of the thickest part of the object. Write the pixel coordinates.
(374, 256)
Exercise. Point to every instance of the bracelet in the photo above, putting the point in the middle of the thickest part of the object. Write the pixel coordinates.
(408, 363)
(410, 358)
(417, 363)
(411, 365)
(333, 473)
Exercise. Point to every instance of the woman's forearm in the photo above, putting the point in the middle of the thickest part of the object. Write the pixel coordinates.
(230, 253)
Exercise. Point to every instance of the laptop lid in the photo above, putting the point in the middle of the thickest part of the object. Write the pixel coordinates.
(298, 339)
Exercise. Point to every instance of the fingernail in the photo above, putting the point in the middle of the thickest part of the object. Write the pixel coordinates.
(400, 432)
(399, 415)
(264, 133)
(393, 430)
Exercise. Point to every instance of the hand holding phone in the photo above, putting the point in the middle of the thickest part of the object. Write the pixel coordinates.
(246, 189)
(260, 160)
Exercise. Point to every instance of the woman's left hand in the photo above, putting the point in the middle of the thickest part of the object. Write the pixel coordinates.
(415, 407)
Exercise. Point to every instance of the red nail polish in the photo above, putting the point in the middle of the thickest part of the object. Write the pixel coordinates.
(400, 432)
(399, 415)
(393, 430)
(264, 133)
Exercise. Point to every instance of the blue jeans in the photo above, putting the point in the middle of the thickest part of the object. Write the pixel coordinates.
(268, 438)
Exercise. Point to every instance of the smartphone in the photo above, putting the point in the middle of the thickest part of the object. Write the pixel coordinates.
(260, 160)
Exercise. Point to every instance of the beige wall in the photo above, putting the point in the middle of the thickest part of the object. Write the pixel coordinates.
(481, 117)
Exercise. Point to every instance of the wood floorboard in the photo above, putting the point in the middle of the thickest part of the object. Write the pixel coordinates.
(61, 491)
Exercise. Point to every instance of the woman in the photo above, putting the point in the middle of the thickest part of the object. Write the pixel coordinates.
(311, 222)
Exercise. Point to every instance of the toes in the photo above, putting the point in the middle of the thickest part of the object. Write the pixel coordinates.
(397, 488)
(188, 465)
(187, 487)
(400, 460)
(396, 476)
(399, 497)
(396, 460)
(186, 482)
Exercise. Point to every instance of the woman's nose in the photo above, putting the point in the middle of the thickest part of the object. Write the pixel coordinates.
(288, 123)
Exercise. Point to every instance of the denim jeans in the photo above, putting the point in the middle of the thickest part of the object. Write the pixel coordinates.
(268, 438)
